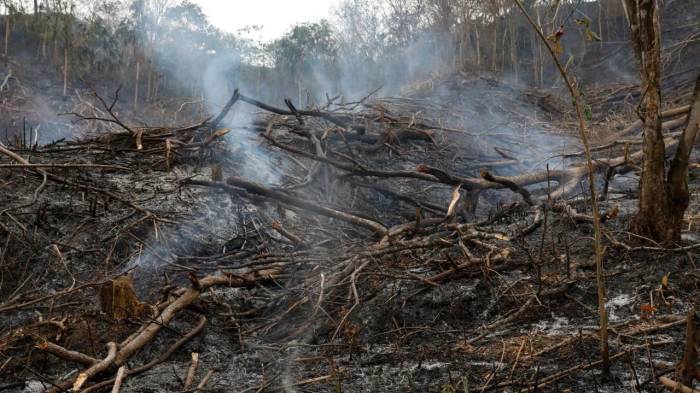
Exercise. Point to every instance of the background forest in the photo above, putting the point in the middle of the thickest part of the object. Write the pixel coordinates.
(168, 48)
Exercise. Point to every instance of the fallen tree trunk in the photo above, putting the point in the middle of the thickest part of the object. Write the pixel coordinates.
(260, 190)
(566, 179)
(637, 125)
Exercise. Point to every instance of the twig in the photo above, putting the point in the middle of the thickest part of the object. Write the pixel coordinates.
(191, 371)
(676, 386)
(205, 380)
(120, 377)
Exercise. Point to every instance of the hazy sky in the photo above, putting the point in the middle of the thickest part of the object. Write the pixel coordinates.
(275, 16)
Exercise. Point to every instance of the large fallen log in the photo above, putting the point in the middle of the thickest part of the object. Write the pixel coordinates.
(234, 183)
(637, 125)
(566, 179)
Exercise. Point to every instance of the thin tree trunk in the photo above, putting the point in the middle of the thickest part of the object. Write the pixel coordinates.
(55, 56)
(494, 60)
(608, 32)
(540, 59)
(149, 85)
(504, 48)
(65, 72)
(478, 46)
(7, 33)
(156, 86)
(535, 62)
(514, 50)
(459, 63)
(597, 242)
(136, 84)
(600, 22)
(299, 90)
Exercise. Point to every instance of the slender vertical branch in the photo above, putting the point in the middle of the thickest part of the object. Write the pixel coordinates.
(7, 32)
(65, 71)
(136, 84)
(591, 181)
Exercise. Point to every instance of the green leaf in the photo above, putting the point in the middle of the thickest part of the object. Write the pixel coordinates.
(589, 34)
(555, 43)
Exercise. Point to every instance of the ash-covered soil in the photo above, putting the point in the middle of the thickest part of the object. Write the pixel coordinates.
(501, 296)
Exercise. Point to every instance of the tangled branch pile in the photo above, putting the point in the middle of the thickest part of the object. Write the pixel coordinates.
(365, 228)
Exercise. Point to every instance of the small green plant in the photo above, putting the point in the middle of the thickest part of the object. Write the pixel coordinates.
(449, 388)
(586, 107)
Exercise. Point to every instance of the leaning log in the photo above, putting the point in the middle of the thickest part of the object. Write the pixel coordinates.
(233, 184)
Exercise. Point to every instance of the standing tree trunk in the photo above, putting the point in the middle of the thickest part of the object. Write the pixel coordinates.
(136, 84)
(540, 54)
(494, 59)
(514, 49)
(504, 48)
(7, 32)
(149, 84)
(54, 52)
(600, 23)
(606, 15)
(477, 45)
(654, 218)
(662, 200)
(65, 71)
(678, 172)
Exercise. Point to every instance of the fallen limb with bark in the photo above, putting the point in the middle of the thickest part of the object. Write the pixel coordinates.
(118, 355)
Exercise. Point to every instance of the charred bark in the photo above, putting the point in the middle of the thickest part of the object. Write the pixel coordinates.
(678, 172)
(661, 202)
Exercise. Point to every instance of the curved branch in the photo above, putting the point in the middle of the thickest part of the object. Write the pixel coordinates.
(160, 359)
(97, 368)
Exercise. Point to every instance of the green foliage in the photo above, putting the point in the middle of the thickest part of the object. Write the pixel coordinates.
(306, 46)
(450, 388)
(588, 34)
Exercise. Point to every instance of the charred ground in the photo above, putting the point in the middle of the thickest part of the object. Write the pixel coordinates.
(387, 244)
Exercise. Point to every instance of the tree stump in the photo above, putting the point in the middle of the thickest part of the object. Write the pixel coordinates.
(119, 300)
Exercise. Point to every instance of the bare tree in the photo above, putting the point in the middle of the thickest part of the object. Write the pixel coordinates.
(663, 195)
(597, 243)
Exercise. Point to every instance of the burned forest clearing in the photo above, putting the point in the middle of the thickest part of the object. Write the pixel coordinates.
(410, 196)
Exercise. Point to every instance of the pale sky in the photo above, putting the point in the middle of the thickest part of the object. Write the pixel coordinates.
(275, 16)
